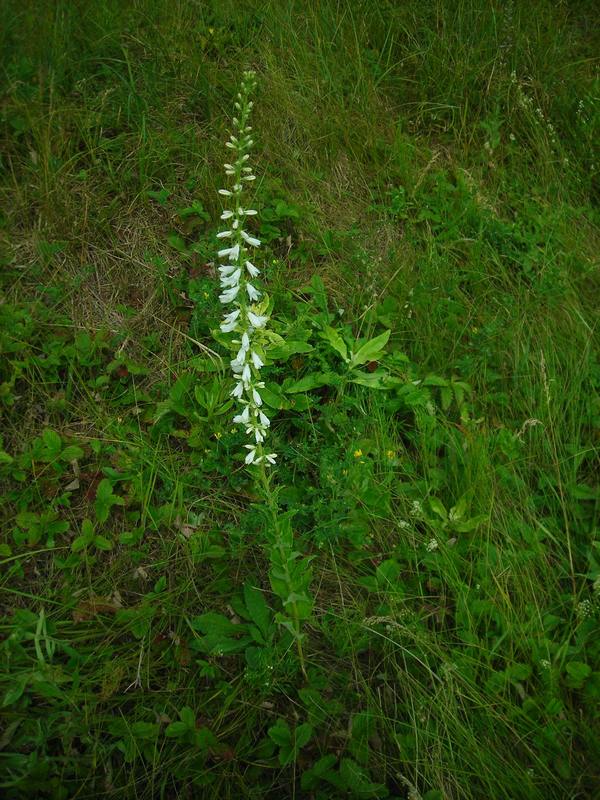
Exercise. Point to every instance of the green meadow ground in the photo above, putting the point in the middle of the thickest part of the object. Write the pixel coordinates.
(426, 168)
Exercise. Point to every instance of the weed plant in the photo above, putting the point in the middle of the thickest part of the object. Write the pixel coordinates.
(406, 603)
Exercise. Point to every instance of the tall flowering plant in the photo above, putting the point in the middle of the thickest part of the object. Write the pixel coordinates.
(248, 318)
(289, 575)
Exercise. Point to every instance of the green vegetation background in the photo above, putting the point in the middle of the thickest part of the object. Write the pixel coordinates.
(435, 166)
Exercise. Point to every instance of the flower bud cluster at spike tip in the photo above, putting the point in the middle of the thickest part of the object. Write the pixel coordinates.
(247, 321)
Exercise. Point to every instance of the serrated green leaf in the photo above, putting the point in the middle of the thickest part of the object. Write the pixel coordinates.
(106, 499)
(434, 380)
(459, 393)
(280, 733)
(52, 443)
(79, 543)
(320, 769)
(144, 730)
(357, 780)
(176, 729)
(102, 543)
(71, 453)
(27, 519)
(303, 735)
(446, 395)
(204, 739)
(188, 717)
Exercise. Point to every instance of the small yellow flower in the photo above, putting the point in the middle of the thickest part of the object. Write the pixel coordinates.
(358, 453)
(218, 435)
(390, 454)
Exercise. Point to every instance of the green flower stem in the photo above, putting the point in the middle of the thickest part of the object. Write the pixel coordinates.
(274, 512)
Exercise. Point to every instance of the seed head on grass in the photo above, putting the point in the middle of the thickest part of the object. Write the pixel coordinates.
(249, 316)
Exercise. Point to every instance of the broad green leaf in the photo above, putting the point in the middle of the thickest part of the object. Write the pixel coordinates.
(213, 623)
(519, 672)
(458, 511)
(312, 381)
(15, 691)
(177, 242)
(221, 635)
(387, 574)
(317, 289)
(371, 350)
(578, 672)
(273, 396)
(284, 351)
(470, 524)
(582, 491)
(335, 340)
(374, 380)
(161, 196)
(438, 508)
(363, 728)
(257, 608)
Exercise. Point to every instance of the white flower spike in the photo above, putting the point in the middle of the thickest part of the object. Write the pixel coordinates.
(247, 320)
